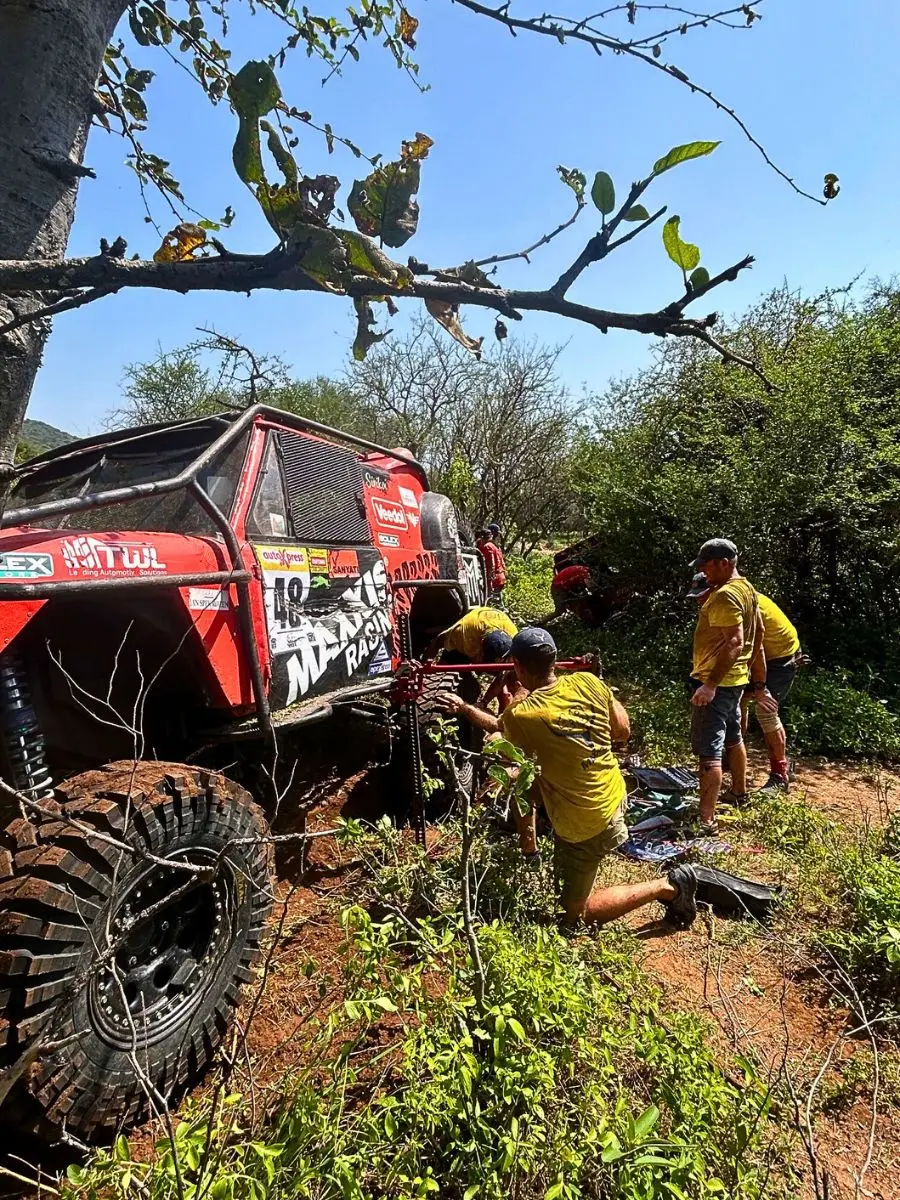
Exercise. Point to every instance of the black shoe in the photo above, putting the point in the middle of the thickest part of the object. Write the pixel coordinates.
(773, 786)
(682, 911)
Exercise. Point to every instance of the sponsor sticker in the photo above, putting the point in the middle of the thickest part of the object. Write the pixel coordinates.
(318, 562)
(409, 498)
(388, 539)
(381, 662)
(282, 558)
(388, 514)
(375, 479)
(25, 565)
(91, 556)
(343, 564)
(201, 599)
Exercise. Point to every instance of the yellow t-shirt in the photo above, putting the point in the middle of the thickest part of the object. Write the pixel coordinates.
(468, 634)
(565, 727)
(780, 638)
(734, 603)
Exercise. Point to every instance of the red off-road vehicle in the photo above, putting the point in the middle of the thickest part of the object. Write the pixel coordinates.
(165, 590)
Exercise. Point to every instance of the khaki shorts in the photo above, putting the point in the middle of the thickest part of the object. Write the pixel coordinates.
(575, 863)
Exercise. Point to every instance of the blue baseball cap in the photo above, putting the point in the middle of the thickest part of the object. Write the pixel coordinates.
(496, 646)
(528, 640)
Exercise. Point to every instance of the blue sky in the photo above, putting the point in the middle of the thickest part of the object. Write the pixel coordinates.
(820, 89)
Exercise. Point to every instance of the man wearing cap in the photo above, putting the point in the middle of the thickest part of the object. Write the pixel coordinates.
(727, 648)
(483, 634)
(568, 724)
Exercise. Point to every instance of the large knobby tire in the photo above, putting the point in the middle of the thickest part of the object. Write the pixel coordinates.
(118, 960)
(469, 737)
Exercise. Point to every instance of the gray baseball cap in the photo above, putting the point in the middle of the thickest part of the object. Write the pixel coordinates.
(713, 549)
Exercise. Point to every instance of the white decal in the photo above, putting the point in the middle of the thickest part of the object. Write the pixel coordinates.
(473, 579)
(90, 556)
(201, 599)
(408, 498)
(286, 581)
(353, 632)
(388, 539)
(26, 565)
(388, 514)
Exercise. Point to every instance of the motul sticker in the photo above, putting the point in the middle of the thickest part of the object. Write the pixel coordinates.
(318, 562)
(388, 514)
(25, 565)
(90, 556)
(201, 599)
(408, 498)
(388, 539)
(343, 564)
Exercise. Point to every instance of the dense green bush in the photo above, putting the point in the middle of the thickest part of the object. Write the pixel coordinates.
(568, 1080)
(866, 945)
(826, 715)
(527, 593)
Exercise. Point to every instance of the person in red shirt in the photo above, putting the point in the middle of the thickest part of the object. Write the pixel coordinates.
(495, 565)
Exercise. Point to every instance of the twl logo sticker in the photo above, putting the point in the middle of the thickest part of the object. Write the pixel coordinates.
(389, 515)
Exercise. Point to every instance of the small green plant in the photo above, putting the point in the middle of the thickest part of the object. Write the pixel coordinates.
(527, 593)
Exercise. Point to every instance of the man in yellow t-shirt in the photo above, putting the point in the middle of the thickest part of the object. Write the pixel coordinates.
(568, 724)
(727, 649)
(473, 637)
(781, 644)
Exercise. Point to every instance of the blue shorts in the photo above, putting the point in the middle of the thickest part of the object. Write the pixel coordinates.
(717, 724)
(780, 675)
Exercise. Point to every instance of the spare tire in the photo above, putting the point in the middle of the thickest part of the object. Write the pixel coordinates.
(119, 973)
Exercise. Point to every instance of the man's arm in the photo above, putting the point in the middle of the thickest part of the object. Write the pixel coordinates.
(619, 725)
(764, 699)
(434, 647)
(727, 656)
(451, 703)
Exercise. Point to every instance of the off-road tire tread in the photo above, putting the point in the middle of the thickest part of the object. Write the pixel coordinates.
(54, 879)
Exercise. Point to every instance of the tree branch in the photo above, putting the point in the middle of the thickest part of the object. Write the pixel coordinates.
(562, 28)
(92, 278)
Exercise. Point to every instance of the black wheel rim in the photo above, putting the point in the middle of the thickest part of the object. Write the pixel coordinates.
(169, 933)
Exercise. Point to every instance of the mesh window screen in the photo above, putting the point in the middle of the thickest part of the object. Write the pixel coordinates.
(325, 491)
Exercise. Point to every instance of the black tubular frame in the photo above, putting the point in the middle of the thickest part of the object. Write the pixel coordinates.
(187, 479)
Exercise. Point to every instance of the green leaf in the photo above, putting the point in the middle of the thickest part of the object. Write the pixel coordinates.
(646, 1121)
(382, 204)
(683, 254)
(517, 1028)
(637, 212)
(472, 1190)
(680, 154)
(699, 278)
(385, 1003)
(603, 193)
(253, 92)
(574, 179)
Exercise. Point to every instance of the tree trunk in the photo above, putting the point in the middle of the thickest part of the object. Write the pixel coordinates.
(50, 55)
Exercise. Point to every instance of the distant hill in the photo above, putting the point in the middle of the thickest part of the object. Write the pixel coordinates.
(37, 436)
